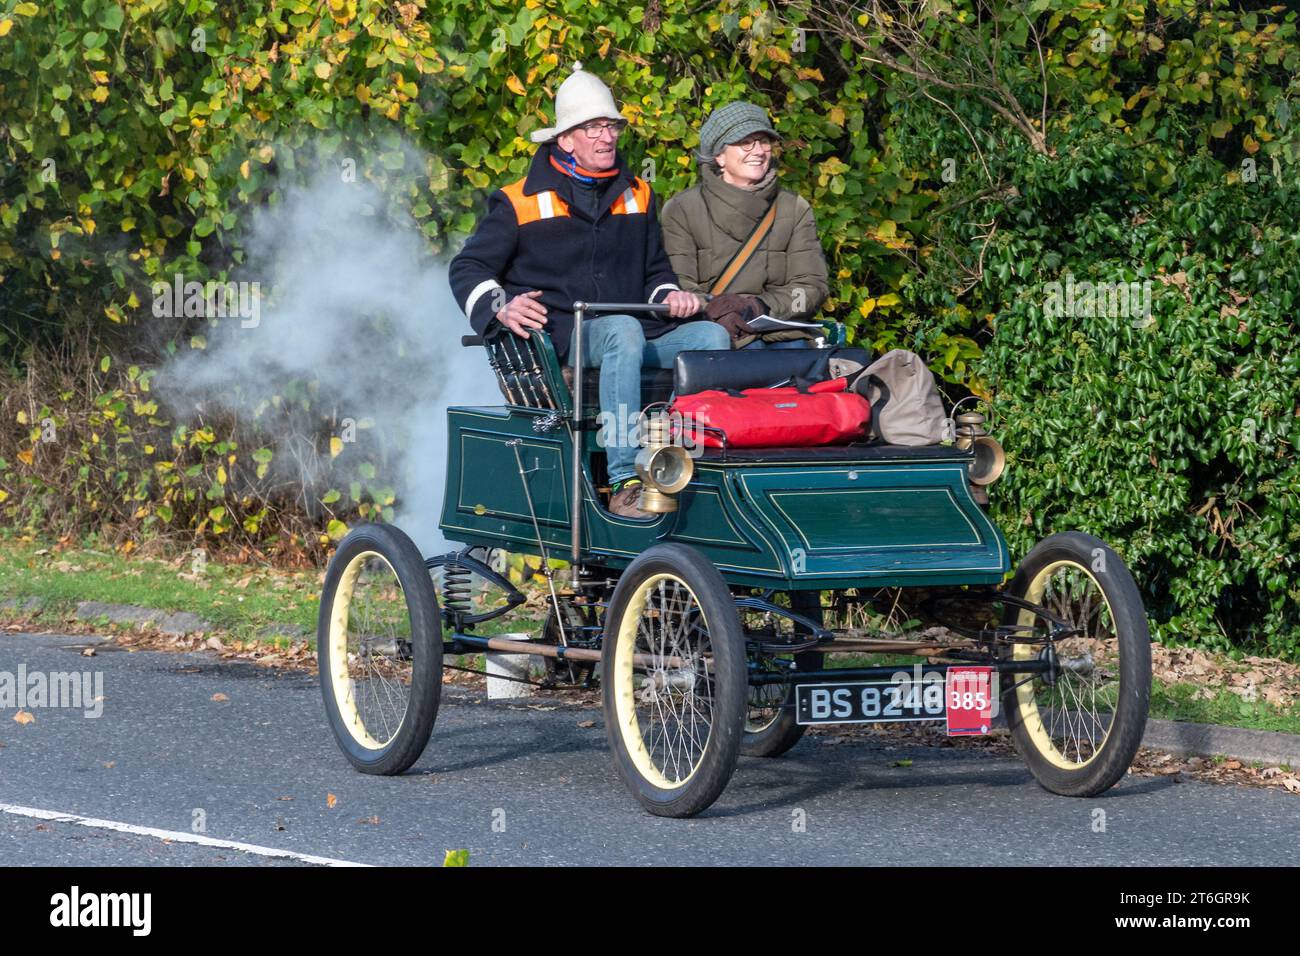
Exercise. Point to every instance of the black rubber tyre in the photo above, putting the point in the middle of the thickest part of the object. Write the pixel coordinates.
(379, 648)
(775, 738)
(673, 721)
(1079, 732)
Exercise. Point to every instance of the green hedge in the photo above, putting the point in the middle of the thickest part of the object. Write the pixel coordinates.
(137, 138)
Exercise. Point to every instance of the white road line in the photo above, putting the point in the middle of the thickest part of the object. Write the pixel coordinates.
(175, 836)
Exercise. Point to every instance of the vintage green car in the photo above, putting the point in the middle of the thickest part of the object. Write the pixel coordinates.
(707, 626)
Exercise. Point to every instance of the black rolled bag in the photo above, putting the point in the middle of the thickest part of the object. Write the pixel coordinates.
(759, 368)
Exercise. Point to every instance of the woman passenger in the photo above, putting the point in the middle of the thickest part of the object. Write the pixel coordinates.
(706, 226)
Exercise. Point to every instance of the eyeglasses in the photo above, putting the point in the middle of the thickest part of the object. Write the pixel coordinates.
(593, 130)
(749, 142)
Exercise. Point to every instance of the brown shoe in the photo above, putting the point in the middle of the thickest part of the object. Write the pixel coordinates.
(624, 501)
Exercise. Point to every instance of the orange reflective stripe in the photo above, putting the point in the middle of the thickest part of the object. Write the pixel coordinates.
(544, 205)
(636, 198)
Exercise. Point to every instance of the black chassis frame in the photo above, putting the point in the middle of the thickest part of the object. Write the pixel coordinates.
(820, 638)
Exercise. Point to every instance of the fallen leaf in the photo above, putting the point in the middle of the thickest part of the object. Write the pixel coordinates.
(372, 821)
(88, 652)
(901, 763)
(1232, 765)
(214, 644)
(24, 718)
(219, 696)
(42, 828)
(110, 765)
(284, 798)
(331, 800)
(1292, 784)
(586, 723)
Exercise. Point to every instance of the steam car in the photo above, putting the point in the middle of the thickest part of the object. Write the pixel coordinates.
(771, 590)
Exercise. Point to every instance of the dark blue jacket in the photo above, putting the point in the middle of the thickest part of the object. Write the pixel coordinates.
(536, 236)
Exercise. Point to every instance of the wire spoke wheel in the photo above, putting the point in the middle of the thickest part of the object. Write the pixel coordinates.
(380, 649)
(770, 725)
(671, 670)
(373, 646)
(1079, 721)
(673, 680)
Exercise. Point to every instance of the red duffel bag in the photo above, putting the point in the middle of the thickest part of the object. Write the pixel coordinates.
(822, 414)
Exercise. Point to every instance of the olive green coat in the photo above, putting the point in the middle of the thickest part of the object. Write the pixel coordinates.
(705, 226)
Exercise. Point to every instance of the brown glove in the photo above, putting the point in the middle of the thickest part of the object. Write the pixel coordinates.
(733, 312)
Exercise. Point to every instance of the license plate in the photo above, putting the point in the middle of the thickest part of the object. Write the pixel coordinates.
(969, 693)
(870, 702)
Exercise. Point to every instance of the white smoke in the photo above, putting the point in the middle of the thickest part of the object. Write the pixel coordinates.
(357, 319)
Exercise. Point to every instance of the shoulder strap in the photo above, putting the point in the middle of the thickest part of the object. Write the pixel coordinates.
(744, 253)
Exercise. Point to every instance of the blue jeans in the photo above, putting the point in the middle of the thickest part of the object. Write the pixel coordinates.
(616, 345)
(788, 344)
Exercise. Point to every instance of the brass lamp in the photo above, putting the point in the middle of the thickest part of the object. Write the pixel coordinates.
(990, 459)
(664, 467)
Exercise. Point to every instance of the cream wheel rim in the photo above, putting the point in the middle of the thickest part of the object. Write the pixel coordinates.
(663, 688)
(1074, 726)
(369, 651)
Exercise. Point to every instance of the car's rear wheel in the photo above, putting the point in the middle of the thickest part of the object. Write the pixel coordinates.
(673, 680)
(379, 649)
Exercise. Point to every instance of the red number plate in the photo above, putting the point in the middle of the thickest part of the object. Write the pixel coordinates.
(968, 696)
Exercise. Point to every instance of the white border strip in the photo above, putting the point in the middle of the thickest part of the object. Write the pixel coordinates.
(176, 836)
(487, 285)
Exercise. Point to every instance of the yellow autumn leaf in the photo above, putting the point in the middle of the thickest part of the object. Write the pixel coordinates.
(336, 446)
(514, 85)
(778, 54)
(867, 307)
(243, 169)
(221, 475)
(22, 418)
(27, 9)
(5, 26)
(25, 456)
(23, 718)
(128, 224)
(810, 73)
(323, 70)
(836, 116)
(889, 299)
(331, 801)
(3, 494)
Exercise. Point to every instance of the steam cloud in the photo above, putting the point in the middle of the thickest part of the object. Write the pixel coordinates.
(357, 320)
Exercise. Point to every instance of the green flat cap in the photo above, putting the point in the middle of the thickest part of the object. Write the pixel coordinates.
(730, 124)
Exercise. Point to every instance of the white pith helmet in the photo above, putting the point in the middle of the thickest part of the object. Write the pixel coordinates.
(582, 97)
